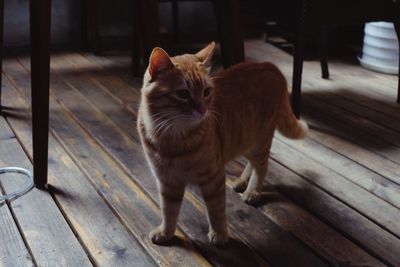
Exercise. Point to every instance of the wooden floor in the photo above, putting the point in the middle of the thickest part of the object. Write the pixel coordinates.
(330, 200)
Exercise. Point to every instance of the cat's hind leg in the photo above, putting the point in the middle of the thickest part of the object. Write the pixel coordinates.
(259, 163)
(240, 184)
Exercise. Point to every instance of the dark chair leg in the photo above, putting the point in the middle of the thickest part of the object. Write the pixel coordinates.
(175, 20)
(322, 52)
(230, 31)
(92, 25)
(148, 27)
(298, 62)
(397, 27)
(1, 45)
(136, 41)
(40, 15)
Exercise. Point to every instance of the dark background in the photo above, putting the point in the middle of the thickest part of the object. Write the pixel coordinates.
(198, 23)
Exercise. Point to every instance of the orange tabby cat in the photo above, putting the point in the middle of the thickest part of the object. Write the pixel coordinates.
(191, 124)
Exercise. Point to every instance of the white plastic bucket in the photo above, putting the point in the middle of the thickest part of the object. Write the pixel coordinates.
(381, 48)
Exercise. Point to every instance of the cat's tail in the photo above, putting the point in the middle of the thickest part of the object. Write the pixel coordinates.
(288, 125)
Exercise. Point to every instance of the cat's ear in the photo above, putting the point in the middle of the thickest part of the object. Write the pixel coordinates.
(205, 55)
(159, 62)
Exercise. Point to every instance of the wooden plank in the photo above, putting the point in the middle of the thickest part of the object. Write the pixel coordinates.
(13, 251)
(100, 231)
(351, 105)
(358, 174)
(349, 129)
(308, 228)
(123, 92)
(354, 145)
(47, 234)
(377, 103)
(371, 84)
(361, 230)
(113, 64)
(235, 255)
(361, 200)
(94, 91)
(388, 138)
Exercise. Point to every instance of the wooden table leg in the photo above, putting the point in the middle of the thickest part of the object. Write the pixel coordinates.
(230, 31)
(397, 27)
(40, 17)
(137, 42)
(147, 29)
(323, 57)
(175, 20)
(298, 61)
(1, 45)
(92, 25)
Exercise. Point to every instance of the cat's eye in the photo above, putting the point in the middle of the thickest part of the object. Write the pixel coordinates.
(207, 92)
(183, 94)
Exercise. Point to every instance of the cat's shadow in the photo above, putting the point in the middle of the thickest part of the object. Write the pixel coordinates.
(234, 253)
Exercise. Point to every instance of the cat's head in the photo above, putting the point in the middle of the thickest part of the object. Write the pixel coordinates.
(179, 90)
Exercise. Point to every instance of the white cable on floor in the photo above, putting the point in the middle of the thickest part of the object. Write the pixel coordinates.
(29, 185)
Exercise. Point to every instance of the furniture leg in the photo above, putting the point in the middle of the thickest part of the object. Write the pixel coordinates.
(175, 20)
(92, 25)
(136, 41)
(298, 62)
(397, 27)
(149, 26)
(40, 17)
(230, 31)
(1, 45)
(322, 52)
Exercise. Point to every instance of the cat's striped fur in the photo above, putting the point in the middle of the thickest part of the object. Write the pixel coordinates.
(191, 124)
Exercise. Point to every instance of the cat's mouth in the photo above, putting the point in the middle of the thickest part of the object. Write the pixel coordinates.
(198, 115)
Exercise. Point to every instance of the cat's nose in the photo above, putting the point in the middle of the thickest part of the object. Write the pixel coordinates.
(202, 109)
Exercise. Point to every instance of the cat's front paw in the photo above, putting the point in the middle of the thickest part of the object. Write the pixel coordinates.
(252, 198)
(218, 238)
(158, 236)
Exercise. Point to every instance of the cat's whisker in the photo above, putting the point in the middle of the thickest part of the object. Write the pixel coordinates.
(164, 125)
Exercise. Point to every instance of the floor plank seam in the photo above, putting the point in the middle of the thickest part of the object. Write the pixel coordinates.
(363, 145)
(359, 164)
(364, 106)
(21, 232)
(373, 220)
(356, 115)
(343, 176)
(333, 226)
(347, 123)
